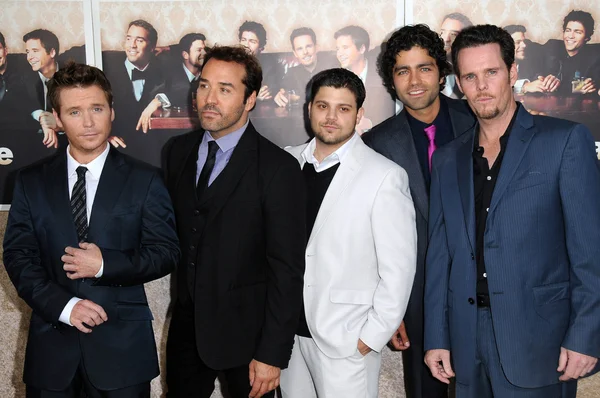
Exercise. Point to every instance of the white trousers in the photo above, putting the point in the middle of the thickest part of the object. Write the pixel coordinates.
(312, 374)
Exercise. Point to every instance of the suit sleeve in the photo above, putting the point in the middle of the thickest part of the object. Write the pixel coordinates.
(579, 183)
(437, 269)
(22, 259)
(158, 252)
(284, 207)
(394, 232)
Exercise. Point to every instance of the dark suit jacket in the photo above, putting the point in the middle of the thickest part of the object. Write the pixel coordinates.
(133, 223)
(540, 245)
(394, 140)
(145, 147)
(177, 86)
(250, 262)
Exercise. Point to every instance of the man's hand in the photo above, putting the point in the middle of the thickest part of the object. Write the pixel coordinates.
(574, 365)
(400, 339)
(263, 378)
(363, 348)
(117, 141)
(87, 314)
(264, 94)
(551, 83)
(144, 121)
(438, 362)
(536, 86)
(281, 99)
(50, 128)
(588, 86)
(82, 263)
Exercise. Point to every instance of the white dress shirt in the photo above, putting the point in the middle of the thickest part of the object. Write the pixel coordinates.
(336, 157)
(138, 85)
(36, 114)
(92, 178)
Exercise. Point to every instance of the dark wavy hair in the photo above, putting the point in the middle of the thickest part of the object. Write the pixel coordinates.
(77, 75)
(258, 29)
(185, 43)
(147, 26)
(584, 18)
(238, 54)
(48, 39)
(303, 32)
(480, 35)
(338, 78)
(2, 41)
(405, 39)
(360, 37)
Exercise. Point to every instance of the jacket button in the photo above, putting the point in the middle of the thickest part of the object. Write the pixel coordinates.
(192, 264)
(471, 301)
(472, 256)
(196, 212)
(192, 247)
(194, 229)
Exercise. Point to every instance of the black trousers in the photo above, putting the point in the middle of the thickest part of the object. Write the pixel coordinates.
(187, 375)
(81, 387)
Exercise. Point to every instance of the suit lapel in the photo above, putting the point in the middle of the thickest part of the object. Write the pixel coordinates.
(57, 188)
(460, 118)
(518, 142)
(113, 179)
(344, 175)
(405, 154)
(464, 163)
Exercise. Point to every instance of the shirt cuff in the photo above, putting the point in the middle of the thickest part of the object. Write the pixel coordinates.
(100, 271)
(65, 315)
(519, 85)
(36, 115)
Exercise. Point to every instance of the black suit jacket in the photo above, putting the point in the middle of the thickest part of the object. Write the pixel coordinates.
(145, 147)
(177, 87)
(393, 139)
(133, 223)
(249, 264)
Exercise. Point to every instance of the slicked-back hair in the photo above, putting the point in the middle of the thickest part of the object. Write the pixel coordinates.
(303, 32)
(457, 16)
(360, 37)
(512, 29)
(77, 75)
(584, 18)
(2, 40)
(258, 29)
(338, 78)
(48, 39)
(238, 54)
(404, 39)
(147, 26)
(480, 35)
(185, 43)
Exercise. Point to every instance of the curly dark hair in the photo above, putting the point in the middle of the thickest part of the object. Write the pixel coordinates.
(239, 55)
(48, 39)
(338, 78)
(405, 39)
(480, 35)
(77, 75)
(584, 18)
(258, 29)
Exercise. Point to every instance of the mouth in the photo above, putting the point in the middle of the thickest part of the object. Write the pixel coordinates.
(330, 127)
(307, 59)
(416, 92)
(210, 113)
(132, 52)
(484, 99)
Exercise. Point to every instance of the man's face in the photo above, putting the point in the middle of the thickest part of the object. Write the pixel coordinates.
(574, 37)
(3, 54)
(137, 46)
(448, 32)
(220, 97)
(37, 56)
(196, 54)
(333, 115)
(86, 118)
(519, 38)
(305, 50)
(251, 42)
(485, 80)
(416, 79)
(347, 53)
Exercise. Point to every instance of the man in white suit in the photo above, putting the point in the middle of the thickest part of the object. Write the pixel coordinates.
(361, 252)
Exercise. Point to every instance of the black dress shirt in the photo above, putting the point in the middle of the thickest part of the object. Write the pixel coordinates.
(443, 135)
(317, 185)
(484, 182)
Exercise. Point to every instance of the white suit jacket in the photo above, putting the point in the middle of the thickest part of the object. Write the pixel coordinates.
(361, 254)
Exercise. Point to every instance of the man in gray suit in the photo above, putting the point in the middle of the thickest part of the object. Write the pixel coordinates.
(414, 67)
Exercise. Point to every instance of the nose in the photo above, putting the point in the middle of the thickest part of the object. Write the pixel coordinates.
(88, 121)
(331, 113)
(481, 84)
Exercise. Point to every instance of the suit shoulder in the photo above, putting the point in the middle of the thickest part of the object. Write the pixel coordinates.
(376, 162)
(271, 153)
(139, 166)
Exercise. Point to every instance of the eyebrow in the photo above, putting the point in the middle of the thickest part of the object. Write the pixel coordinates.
(137, 37)
(327, 103)
(219, 83)
(400, 67)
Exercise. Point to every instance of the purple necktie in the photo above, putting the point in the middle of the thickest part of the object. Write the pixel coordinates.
(430, 132)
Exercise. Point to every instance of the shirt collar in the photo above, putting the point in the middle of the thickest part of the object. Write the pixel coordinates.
(43, 78)
(130, 67)
(191, 77)
(308, 154)
(227, 142)
(94, 167)
(363, 74)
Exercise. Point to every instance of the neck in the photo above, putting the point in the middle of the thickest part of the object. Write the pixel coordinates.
(322, 150)
(426, 115)
(83, 157)
(141, 65)
(359, 66)
(238, 125)
(573, 53)
(49, 70)
(490, 130)
(2, 69)
(194, 70)
(311, 67)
